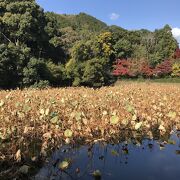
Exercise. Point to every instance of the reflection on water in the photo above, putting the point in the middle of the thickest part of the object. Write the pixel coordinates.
(131, 159)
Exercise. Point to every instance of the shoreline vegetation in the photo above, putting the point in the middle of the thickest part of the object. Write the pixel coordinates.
(150, 80)
(35, 122)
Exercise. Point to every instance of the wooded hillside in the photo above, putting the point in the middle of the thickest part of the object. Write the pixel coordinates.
(39, 49)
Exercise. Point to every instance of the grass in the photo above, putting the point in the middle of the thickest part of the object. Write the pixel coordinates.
(158, 80)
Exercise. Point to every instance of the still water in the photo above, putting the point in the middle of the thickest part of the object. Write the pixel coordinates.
(143, 159)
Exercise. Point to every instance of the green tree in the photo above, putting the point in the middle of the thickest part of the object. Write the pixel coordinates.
(74, 72)
(123, 48)
(35, 72)
(22, 22)
(12, 61)
(95, 72)
(25, 33)
(56, 76)
(165, 45)
(81, 51)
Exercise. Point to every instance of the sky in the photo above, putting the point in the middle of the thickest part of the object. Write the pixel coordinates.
(128, 14)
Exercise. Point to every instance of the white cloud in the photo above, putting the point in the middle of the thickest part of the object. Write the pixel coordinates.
(176, 34)
(114, 16)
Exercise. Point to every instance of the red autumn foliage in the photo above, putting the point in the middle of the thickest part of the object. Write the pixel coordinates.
(122, 68)
(146, 70)
(133, 68)
(177, 54)
(128, 68)
(163, 69)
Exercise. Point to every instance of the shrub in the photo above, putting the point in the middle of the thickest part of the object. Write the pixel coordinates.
(121, 68)
(176, 69)
(163, 69)
(41, 84)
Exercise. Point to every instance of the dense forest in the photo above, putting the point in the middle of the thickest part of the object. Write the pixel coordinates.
(39, 49)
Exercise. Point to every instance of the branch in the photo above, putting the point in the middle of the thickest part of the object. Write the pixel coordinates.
(6, 37)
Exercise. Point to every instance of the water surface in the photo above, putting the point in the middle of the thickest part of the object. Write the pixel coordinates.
(141, 159)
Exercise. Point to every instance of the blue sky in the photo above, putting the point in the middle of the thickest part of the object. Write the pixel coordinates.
(129, 14)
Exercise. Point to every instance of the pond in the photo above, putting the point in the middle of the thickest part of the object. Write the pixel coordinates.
(133, 158)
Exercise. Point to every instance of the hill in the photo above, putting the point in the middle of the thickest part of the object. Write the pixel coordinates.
(40, 48)
(81, 21)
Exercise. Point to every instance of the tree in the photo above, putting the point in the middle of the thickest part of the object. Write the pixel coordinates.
(56, 76)
(69, 38)
(105, 44)
(165, 44)
(177, 54)
(22, 22)
(139, 52)
(26, 34)
(35, 72)
(146, 70)
(164, 68)
(12, 61)
(22, 35)
(148, 41)
(176, 69)
(81, 51)
(122, 68)
(90, 61)
(123, 49)
(48, 48)
(53, 46)
(95, 73)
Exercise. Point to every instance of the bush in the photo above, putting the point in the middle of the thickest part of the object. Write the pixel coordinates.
(176, 69)
(35, 71)
(41, 84)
